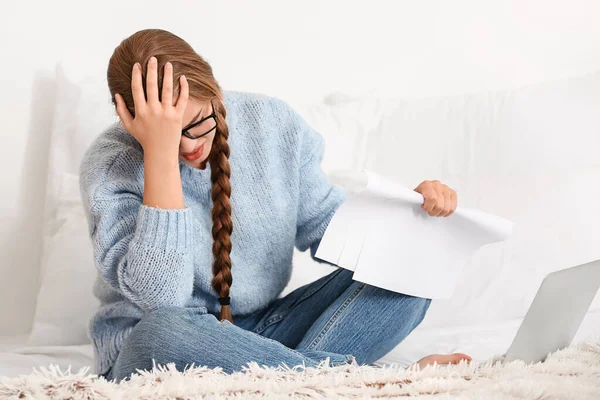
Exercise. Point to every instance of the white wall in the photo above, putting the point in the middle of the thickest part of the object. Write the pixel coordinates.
(298, 51)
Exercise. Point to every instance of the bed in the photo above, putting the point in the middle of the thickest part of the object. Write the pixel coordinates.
(463, 140)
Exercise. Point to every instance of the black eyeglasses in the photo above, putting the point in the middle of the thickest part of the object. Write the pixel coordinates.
(185, 132)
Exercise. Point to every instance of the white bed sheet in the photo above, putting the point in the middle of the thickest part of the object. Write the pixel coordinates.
(9, 342)
(481, 341)
(17, 360)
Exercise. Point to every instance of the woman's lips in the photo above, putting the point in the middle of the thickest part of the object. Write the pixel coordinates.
(194, 155)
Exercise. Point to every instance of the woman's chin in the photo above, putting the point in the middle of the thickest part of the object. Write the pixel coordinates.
(200, 162)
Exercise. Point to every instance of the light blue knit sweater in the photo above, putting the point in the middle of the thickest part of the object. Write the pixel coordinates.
(147, 257)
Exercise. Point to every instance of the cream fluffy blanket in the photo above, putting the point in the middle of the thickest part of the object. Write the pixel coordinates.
(573, 373)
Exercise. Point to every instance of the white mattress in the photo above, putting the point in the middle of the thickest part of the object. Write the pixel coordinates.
(479, 341)
(17, 359)
(9, 342)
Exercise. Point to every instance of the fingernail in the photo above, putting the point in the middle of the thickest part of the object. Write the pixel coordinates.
(152, 59)
(136, 65)
(168, 64)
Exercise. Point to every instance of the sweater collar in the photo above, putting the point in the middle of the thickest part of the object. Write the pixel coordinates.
(199, 176)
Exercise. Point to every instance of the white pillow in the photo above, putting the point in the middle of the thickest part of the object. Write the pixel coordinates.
(530, 155)
(82, 110)
(345, 127)
(65, 299)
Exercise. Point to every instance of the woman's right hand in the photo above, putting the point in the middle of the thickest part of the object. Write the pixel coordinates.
(157, 124)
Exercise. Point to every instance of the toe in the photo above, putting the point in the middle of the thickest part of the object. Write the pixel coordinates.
(457, 357)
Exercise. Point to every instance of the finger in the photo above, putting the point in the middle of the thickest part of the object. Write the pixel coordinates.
(430, 199)
(447, 203)
(440, 204)
(123, 112)
(462, 356)
(167, 88)
(454, 358)
(454, 200)
(183, 94)
(465, 356)
(151, 81)
(438, 207)
(139, 101)
(422, 186)
(434, 200)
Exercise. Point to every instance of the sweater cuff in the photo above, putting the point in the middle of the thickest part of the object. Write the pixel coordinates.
(169, 229)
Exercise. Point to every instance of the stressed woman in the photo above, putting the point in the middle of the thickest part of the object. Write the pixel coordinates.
(195, 201)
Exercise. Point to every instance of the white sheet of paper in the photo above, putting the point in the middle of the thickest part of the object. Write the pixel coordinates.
(337, 232)
(389, 241)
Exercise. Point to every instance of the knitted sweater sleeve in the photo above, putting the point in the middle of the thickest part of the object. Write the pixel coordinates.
(319, 200)
(141, 251)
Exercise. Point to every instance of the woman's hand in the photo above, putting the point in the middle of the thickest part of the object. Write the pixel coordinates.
(157, 127)
(157, 124)
(439, 199)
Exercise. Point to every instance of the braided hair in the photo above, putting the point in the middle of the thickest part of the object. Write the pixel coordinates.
(221, 214)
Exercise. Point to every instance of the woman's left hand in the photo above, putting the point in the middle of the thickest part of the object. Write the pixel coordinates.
(439, 199)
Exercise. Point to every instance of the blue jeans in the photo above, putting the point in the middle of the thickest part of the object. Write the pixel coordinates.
(334, 316)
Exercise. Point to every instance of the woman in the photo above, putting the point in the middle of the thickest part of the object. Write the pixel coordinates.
(193, 179)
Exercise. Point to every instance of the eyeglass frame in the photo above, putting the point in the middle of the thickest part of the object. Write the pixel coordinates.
(185, 132)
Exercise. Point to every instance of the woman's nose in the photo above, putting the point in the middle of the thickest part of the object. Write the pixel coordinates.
(187, 145)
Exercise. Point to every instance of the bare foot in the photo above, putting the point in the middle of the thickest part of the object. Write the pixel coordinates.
(443, 359)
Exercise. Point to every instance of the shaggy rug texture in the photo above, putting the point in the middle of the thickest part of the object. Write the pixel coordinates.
(572, 373)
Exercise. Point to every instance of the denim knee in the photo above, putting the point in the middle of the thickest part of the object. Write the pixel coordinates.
(161, 336)
(424, 304)
(167, 316)
(169, 322)
(412, 309)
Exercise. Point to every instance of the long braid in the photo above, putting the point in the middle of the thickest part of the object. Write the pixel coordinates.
(221, 213)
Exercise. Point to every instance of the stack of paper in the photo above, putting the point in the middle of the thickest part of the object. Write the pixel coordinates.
(384, 236)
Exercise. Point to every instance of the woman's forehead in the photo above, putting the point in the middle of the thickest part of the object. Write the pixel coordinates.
(195, 110)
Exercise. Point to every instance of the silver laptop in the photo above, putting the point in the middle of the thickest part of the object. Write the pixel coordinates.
(556, 312)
